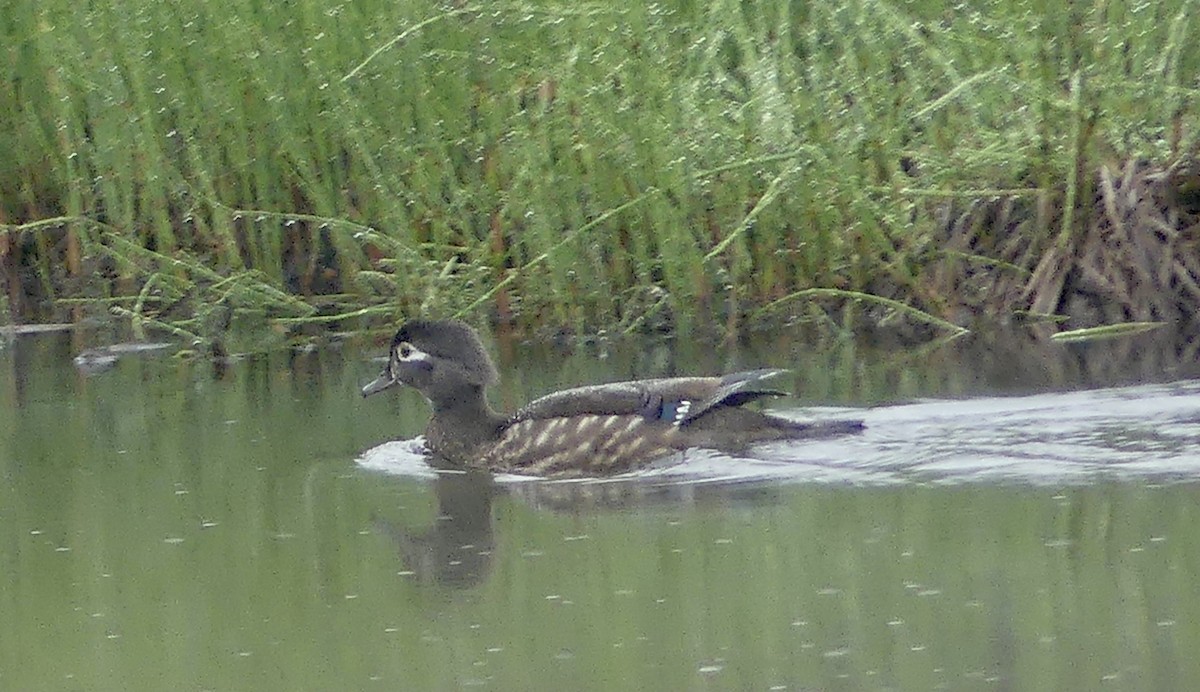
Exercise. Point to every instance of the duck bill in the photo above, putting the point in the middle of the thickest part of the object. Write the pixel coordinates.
(380, 383)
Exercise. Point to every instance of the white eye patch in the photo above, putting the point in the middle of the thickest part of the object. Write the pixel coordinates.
(407, 353)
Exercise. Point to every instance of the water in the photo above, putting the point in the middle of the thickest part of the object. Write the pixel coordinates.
(163, 526)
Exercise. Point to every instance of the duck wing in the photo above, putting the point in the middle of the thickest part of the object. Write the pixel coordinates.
(732, 390)
(680, 400)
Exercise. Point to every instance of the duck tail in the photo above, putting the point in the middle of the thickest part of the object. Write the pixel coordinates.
(816, 430)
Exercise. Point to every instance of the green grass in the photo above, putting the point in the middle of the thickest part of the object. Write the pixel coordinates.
(559, 164)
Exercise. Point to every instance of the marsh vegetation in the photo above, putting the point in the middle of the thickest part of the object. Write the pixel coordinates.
(628, 167)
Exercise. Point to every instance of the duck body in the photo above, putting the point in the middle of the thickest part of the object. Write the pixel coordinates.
(587, 431)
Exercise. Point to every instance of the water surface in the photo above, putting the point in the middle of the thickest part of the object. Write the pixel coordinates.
(1012, 521)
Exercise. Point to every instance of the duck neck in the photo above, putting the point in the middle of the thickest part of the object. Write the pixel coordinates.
(462, 423)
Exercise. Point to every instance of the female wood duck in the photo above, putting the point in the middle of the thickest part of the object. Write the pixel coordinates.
(588, 431)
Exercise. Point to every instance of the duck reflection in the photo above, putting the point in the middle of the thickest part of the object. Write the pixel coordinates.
(632, 493)
(456, 550)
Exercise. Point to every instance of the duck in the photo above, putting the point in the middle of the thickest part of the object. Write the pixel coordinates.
(596, 430)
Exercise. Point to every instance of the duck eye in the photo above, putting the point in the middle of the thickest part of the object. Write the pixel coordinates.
(405, 350)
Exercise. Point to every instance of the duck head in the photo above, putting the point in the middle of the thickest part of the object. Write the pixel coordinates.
(437, 358)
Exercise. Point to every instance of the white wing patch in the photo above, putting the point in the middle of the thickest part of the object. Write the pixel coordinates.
(681, 411)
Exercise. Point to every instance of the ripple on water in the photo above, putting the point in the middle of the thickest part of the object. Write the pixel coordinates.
(1149, 432)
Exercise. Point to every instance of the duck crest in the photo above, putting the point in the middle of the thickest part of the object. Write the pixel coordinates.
(451, 342)
(593, 430)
